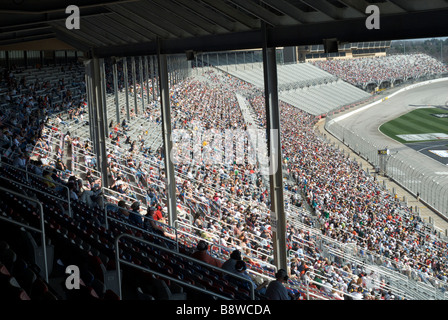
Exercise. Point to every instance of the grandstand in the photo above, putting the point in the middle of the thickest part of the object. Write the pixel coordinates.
(302, 85)
(194, 206)
(345, 51)
(372, 74)
(87, 182)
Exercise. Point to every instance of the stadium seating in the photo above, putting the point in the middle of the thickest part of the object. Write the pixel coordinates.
(304, 86)
(364, 71)
(80, 234)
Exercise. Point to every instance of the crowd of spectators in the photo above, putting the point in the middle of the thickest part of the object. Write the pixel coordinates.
(361, 71)
(27, 109)
(349, 205)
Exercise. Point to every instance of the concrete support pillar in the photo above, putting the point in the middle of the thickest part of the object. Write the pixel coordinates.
(117, 103)
(126, 87)
(278, 216)
(142, 83)
(95, 77)
(167, 132)
(134, 84)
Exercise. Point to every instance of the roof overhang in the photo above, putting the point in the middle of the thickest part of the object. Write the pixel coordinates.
(133, 27)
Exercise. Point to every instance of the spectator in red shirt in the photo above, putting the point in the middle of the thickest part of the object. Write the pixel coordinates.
(158, 216)
(202, 254)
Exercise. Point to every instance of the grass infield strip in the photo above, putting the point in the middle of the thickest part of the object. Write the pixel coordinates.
(418, 121)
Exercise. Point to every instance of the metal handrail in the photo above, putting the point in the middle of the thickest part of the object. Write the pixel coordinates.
(41, 177)
(42, 225)
(106, 216)
(322, 285)
(389, 273)
(122, 195)
(180, 223)
(330, 240)
(118, 260)
(158, 165)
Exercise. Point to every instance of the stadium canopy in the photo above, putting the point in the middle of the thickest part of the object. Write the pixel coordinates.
(132, 27)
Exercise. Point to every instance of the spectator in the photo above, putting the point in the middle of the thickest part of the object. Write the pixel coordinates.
(72, 190)
(362, 71)
(276, 289)
(151, 223)
(229, 264)
(357, 294)
(20, 161)
(124, 209)
(135, 215)
(202, 254)
(48, 179)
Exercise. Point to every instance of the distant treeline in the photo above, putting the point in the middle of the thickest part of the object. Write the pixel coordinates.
(437, 48)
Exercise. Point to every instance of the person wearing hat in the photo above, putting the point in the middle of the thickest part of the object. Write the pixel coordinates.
(20, 161)
(240, 269)
(202, 254)
(230, 264)
(276, 289)
(135, 215)
(151, 222)
(48, 179)
(158, 216)
(123, 212)
(358, 294)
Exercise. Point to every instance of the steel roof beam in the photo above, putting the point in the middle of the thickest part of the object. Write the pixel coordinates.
(45, 7)
(27, 38)
(75, 43)
(16, 20)
(189, 17)
(324, 8)
(361, 5)
(40, 26)
(288, 9)
(95, 29)
(139, 17)
(261, 13)
(233, 13)
(84, 38)
(418, 5)
(212, 15)
(430, 24)
(167, 19)
(139, 33)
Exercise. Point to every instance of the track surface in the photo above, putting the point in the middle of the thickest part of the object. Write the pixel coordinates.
(433, 170)
(368, 122)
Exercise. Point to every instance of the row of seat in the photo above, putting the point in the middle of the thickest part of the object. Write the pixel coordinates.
(75, 238)
(19, 280)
